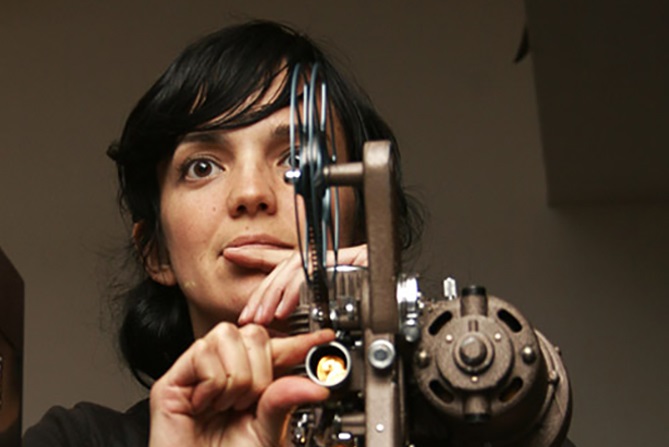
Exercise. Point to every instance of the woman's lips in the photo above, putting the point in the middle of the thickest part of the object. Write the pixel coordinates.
(256, 252)
(257, 241)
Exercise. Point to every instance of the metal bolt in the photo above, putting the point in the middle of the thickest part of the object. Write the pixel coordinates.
(381, 354)
(497, 336)
(472, 351)
(379, 428)
(410, 330)
(317, 314)
(449, 338)
(422, 358)
(528, 355)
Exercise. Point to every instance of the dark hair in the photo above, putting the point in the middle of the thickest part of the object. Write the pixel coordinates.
(208, 87)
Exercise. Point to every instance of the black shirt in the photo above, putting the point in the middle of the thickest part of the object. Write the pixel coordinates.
(92, 425)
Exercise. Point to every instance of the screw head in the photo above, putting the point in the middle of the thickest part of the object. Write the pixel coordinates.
(411, 331)
(381, 354)
(528, 355)
(422, 358)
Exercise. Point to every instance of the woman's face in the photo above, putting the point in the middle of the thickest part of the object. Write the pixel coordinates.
(223, 189)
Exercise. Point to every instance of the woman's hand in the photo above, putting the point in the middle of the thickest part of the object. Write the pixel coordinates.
(223, 390)
(279, 293)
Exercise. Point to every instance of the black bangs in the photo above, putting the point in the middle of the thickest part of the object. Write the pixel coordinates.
(234, 77)
(220, 82)
(271, 93)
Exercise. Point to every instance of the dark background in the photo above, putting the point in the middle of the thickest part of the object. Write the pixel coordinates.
(475, 128)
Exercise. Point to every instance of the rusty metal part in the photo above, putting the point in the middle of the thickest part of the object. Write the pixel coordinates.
(493, 379)
(482, 365)
(348, 289)
(313, 426)
(377, 382)
(383, 405)
(379, 191)
(347, 174)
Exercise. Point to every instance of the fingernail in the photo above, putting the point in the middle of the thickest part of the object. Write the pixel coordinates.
(244, 315)
(259, 313)
(280, 309)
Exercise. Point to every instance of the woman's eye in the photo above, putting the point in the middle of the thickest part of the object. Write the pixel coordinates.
(200, 168)
(286, 158)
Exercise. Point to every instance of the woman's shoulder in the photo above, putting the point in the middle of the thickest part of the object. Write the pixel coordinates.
(91, 425)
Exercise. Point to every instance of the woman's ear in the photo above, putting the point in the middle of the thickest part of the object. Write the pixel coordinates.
(158, 269)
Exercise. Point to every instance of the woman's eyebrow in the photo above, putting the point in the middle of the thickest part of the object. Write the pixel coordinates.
(211, 137)
(281, 131)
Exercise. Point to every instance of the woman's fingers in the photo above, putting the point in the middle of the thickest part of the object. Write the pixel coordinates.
(290, 298)
(264, 259)
(210, 377)
(272, 290)
(292, 280)
(279, 399)
(356, 255)
(213, 374)
(289, 351)
(231, 348)
(200, 368)
(267, 296)
(288, 392)
(230, 368)
(258, 348)
(192, 383)
(278, 294)
(225, 382)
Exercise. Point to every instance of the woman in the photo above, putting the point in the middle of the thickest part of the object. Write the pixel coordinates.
(201, 164)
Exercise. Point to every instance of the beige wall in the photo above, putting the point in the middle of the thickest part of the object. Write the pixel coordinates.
(593, 279)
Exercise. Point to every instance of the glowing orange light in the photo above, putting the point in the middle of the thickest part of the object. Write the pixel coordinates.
(331, 370)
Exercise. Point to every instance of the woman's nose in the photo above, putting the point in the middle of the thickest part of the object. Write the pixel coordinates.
(252, 191)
